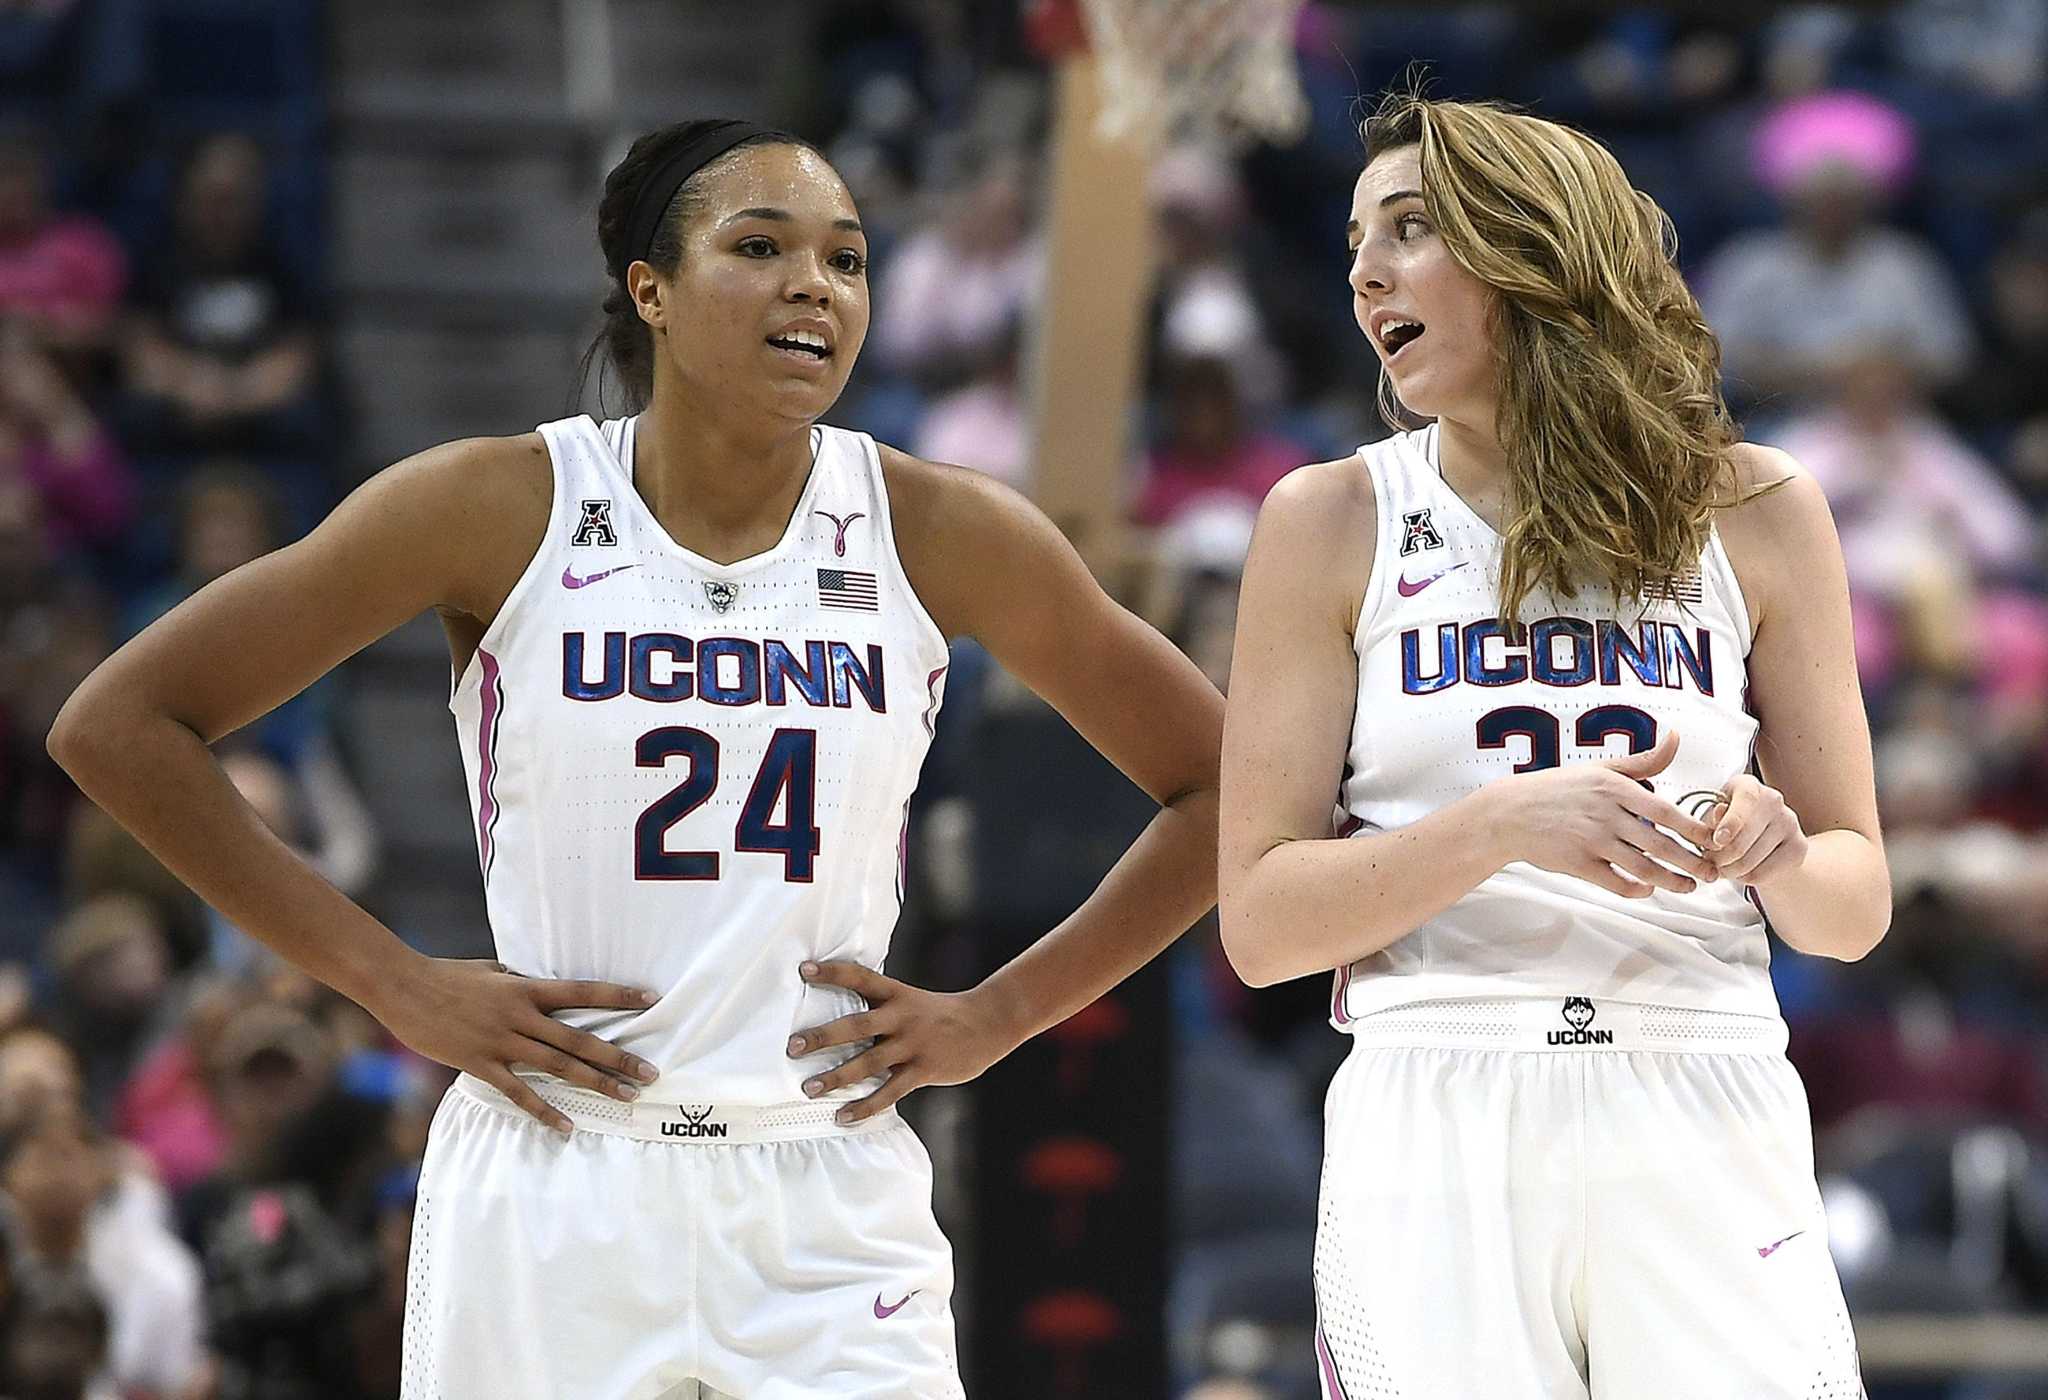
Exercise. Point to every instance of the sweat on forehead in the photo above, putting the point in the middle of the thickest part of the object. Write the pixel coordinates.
(777, 180)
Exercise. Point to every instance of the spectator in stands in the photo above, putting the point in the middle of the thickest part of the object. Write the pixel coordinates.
(222, 353)
(289, 1259)
(984, 420)
(1206, 305)
(1991, 49)
(167, 1107)
(16, 992)
(51, 441)
(266, 1066)
(1793, 304)
(58, 1172)
(229, 514)
(61, 275)
(39, 1072)
(956, 285)
(53, 630)
(100, 857)
(116, 996)
(2005, 396)
(1930, 532)
(56, 1343)
(1208, 447)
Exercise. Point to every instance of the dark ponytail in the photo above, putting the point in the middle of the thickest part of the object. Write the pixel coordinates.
(626, 341)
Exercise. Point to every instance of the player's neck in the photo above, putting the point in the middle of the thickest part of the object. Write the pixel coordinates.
(722, 488)
(1474, 465)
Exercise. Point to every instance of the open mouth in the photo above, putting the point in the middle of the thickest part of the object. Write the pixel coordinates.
(1396, 336)
(808, 343)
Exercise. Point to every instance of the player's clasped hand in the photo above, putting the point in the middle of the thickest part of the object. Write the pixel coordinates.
(1599, 821)
(920, 1038)
(473, 1015)
(1756, 836)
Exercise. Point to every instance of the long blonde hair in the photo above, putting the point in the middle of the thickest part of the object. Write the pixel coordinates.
(1610, 409)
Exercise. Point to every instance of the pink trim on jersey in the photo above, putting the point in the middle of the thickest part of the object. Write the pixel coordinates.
(1333, 1384)
(493, 697)
(931, 708)
(903, 856)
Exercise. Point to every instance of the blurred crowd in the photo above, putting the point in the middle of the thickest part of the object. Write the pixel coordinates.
(1861, 198)
(207, 1162)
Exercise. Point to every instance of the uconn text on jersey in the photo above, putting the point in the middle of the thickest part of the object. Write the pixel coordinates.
(667, 667)
(1559, 651)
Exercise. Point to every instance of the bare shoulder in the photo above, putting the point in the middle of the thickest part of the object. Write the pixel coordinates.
(927, 495)
(1777, 499)
(480, 505)
(1333, 497)
(1779, 534)
(511, 473)
(962, 535)
(1316, 534)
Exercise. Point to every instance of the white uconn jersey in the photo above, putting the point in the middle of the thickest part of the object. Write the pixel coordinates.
(691, 776)
(1447, 703)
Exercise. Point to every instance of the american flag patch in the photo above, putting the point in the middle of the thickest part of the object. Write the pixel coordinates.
(1690, 587)
(849, 590)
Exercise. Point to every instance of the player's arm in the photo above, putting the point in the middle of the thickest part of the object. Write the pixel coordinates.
(1805, 834)
(429, 532)
(1296, 898)
(988, 564)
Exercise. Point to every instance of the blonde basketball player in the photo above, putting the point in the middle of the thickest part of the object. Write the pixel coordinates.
(1566, 1155)
(697, 654)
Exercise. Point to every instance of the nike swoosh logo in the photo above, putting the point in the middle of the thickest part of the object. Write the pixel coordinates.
(1409, 590)
(890, 1310)
(569, 579)
(1765, 1251)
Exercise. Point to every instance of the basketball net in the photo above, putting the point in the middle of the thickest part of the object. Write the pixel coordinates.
(1216, 70)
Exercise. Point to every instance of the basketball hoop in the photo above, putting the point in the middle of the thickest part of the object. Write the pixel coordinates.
(1222, 70)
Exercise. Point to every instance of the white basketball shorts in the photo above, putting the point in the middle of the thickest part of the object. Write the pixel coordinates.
(668, 1253)
(1563, 1198)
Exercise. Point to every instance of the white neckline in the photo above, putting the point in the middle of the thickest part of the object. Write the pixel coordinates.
(629, 435)
(1432, 455)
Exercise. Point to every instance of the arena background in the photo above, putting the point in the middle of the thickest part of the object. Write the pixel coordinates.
(253, 250)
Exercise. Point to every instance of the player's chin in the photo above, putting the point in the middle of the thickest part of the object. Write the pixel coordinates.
(803, 396)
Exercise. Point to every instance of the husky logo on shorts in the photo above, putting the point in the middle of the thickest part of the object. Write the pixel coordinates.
(1420, 533)
(1578, 1014)
(596, 525)
(693, 1124)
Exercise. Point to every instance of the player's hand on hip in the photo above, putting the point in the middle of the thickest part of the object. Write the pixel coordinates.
(1600, 821)
(1757, 838)
(919, 1038)
(473, 1015)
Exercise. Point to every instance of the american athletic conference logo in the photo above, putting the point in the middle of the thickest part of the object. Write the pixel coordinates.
(693, 1125)
(1578, 1013)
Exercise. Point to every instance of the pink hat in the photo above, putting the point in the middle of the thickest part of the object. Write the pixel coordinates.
(1856, 130)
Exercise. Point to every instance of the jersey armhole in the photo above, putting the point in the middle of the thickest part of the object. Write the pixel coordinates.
(550, 435)
(1373, 601)
(1729, 584)
(872, 456)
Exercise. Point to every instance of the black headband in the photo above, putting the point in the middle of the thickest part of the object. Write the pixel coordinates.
(660, 187)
